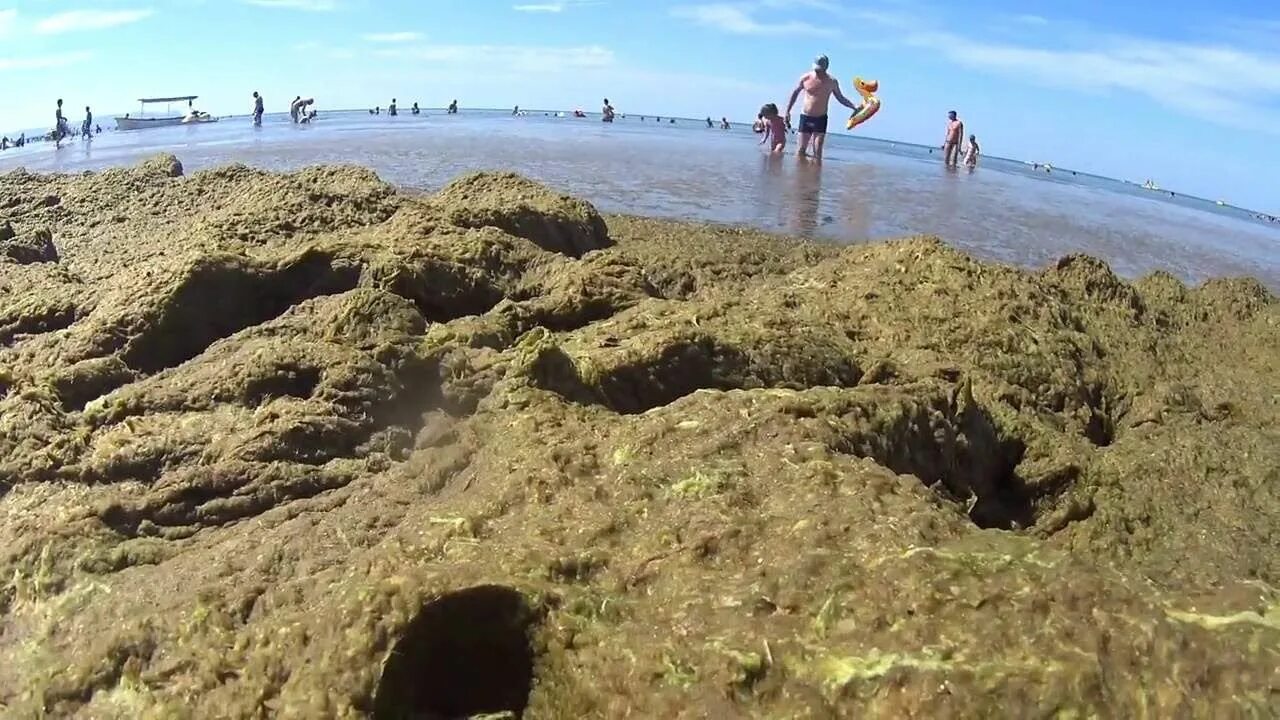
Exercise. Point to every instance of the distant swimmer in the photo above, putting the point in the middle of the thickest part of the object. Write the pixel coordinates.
(515, 110)
(672, 121)
(606, 113)
(818, 86)
(416, 109)
(972, 152)
(951, 140)
(391, 109)
(257, 108)
(775, 130)
(453, 108)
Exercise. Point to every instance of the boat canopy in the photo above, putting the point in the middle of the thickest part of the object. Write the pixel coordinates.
(168, 99)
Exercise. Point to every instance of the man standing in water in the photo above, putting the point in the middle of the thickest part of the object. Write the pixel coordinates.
(86, 128)
(951, 143)
(818, 87)
(257, 108)
(59, 126)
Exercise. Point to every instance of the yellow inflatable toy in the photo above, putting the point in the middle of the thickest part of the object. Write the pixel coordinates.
(870, 103)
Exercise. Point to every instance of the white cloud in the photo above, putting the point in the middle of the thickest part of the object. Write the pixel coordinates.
(1226, 85)
(7, 18)
(43, 62)
(306, 5)
(1028, 19)
(76, 20)
(553, 6)
(393, 37)
(740, 19)
(524, 58)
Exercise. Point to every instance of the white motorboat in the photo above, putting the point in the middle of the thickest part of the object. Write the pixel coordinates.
(143, 120)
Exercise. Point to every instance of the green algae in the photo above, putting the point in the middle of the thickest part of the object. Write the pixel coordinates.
(258, 430)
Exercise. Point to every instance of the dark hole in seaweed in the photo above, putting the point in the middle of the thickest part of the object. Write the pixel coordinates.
(466, 653)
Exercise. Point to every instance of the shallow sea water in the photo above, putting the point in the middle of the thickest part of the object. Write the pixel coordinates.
(865, 189)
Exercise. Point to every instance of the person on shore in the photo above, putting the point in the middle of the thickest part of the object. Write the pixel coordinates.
(257, 108)
(951, 141)
(972, 152)
(606, 113)
(818, 86)
(391, 109)
(453, 107)
(775, 130)
(86, 129)
(59, 125)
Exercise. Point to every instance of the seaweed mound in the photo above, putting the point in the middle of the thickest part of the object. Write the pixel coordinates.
(299, 445)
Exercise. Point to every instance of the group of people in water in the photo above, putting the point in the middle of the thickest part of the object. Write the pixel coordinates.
(818, 86)
(392, 110)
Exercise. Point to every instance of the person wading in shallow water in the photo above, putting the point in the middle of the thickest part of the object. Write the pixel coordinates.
(818, 87)
(951, 142)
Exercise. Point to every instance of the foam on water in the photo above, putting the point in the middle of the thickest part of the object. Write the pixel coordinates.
(865, 189)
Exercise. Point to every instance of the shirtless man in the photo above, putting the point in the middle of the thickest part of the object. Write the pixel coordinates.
(818, 87)
(951, 143)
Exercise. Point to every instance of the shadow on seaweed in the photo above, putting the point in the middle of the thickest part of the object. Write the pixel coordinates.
(466, 653)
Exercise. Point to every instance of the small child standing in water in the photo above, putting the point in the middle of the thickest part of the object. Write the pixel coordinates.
(971, 153)
(775, 130)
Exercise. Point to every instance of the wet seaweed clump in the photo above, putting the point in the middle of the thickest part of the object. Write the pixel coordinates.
(302, 445)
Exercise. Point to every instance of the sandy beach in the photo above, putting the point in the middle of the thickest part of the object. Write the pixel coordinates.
(304, 445)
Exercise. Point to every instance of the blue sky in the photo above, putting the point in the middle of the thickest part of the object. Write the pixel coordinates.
(1184, 92)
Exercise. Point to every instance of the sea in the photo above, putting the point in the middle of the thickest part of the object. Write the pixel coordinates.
(865, 189)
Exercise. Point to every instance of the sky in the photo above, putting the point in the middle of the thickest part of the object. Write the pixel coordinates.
(1181, 91)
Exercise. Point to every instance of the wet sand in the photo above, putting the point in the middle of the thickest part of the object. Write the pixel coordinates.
(303, 445)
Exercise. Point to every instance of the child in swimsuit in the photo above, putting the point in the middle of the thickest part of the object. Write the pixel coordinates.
(971, 153)
(775, 128)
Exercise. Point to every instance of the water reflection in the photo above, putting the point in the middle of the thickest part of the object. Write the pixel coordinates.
(806, 197)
